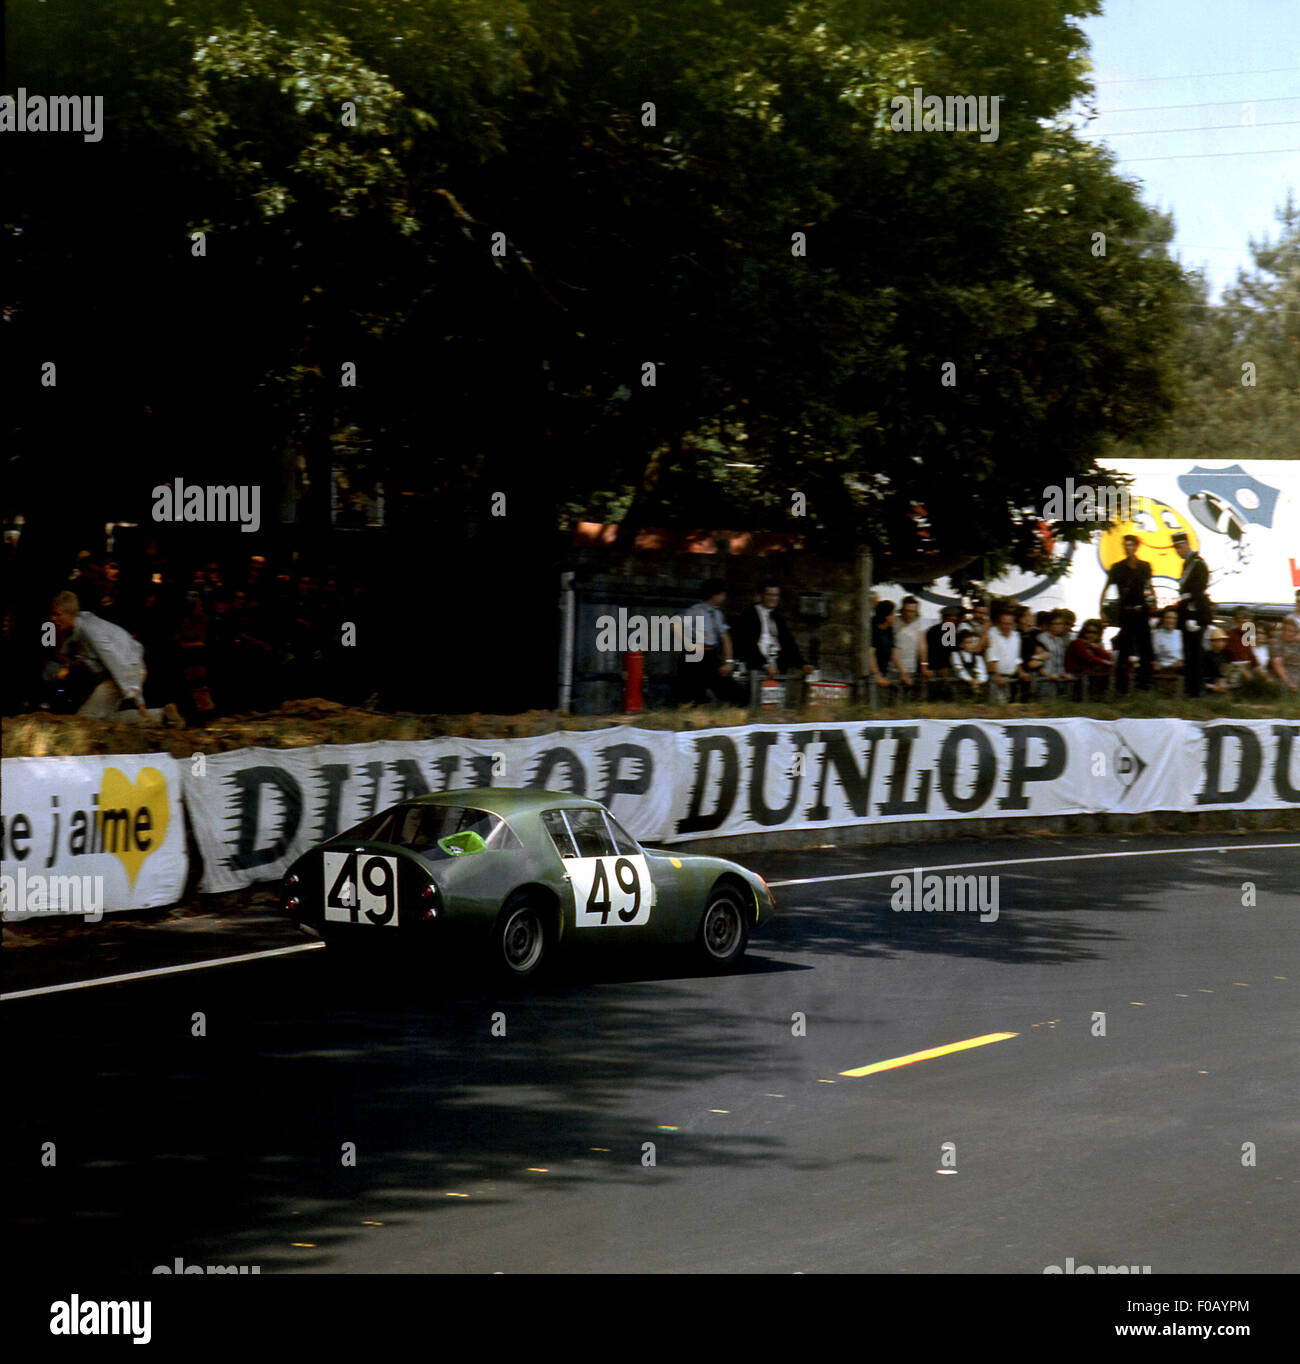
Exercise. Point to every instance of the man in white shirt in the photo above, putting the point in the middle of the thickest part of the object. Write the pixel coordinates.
(909, 643)
(1002, 652)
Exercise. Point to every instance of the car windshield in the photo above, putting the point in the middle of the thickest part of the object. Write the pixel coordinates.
(419, 827)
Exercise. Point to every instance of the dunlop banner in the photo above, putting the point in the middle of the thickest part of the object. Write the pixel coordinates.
(766, 777)
(255, 810)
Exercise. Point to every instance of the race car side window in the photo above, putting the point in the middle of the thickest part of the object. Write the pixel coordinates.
(559, 832)
(591, 833)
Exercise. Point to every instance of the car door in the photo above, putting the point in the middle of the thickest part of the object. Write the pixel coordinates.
(607, 878)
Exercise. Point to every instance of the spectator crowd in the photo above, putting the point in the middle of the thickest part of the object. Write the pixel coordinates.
(1004, 651)
(209, 639)
(217, 638)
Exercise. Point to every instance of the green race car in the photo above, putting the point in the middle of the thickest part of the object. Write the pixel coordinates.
(517, 875)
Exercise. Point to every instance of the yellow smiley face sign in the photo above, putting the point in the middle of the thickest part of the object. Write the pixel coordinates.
(1154, 524)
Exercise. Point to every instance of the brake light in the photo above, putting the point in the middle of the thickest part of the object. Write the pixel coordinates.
(430, 899)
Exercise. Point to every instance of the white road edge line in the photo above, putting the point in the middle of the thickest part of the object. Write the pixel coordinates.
(164, 971)
(1029, 861)
(805, 881)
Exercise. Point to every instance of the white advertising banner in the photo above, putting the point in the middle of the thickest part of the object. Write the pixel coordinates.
(768, 777)
(92, 834)
(1243, 516)
(256, 810)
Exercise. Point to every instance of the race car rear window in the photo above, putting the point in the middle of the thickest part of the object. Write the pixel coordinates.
(419, 827)
(553, 820)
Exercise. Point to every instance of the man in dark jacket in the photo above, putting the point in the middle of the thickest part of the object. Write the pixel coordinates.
(763, 641)
(1195, 612)
(1131, 578)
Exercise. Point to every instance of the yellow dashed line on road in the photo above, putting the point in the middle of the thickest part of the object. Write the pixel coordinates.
(930, 1054)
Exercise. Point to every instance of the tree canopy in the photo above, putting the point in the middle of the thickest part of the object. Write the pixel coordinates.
(648, 163)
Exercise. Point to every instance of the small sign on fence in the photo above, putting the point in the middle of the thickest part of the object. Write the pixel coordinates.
(828, 693)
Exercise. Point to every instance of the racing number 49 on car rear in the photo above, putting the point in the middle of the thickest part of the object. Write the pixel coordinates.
(517, 876)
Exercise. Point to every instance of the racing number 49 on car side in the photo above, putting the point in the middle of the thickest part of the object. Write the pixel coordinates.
(520, 875)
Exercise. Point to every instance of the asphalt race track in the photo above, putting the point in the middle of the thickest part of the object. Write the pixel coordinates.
(531, 1152)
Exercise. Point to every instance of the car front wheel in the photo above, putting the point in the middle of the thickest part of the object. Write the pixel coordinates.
(724, 930)
(520, 940)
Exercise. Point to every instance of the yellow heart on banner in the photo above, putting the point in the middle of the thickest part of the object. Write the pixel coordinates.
(133, 815)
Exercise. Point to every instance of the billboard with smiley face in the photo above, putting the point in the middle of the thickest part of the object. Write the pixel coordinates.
(1243, 517)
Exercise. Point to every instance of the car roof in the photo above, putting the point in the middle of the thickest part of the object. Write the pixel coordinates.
(507, 800)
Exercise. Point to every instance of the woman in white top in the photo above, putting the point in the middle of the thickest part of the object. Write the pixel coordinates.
(1167, 643)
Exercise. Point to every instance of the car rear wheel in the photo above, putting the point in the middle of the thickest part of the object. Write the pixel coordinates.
(724, 930)
(521, 940)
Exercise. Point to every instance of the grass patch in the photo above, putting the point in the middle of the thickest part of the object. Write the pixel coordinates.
(299, 724)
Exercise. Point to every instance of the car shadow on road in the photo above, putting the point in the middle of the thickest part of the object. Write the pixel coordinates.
(279, 1115)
